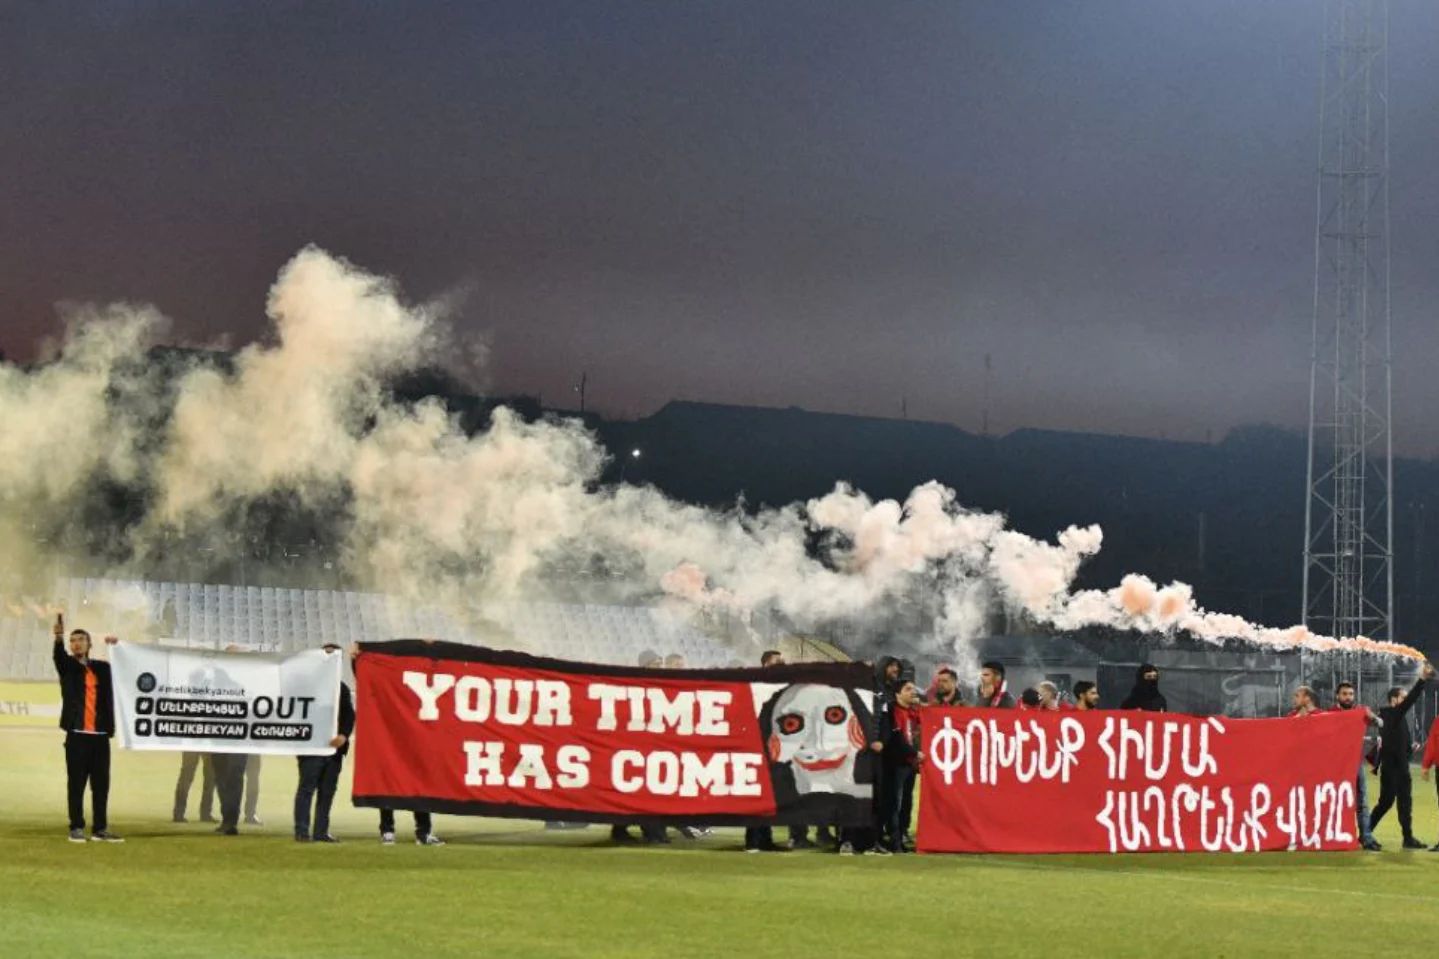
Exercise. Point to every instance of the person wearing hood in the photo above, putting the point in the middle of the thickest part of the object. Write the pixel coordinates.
(1145, 695)
(887, 675)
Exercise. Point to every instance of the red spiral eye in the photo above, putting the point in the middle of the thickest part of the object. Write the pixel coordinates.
(790, 723)
(835, 715)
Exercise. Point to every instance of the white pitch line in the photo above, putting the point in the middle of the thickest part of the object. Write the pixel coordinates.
(1207, 880)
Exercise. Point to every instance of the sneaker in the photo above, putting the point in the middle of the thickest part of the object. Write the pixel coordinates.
(326, 838)
(689, 832)
(430, 840)
(206, 817)
(77, 835)
(1434, 848)
(1411, 843)
(179, 817)
(846, 849)
(225, 830)
(878, 851)
(254, 821)
(801, 844)
(1371, 844)
(751, 849)
(387, 839)
(301, 837)
(105, 835)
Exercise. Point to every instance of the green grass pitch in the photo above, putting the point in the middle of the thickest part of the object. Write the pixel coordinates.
(509, 888)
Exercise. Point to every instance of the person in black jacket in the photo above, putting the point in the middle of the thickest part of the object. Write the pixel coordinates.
(1396, 745)
(87, 714)
(320, 776)
(1146, 695)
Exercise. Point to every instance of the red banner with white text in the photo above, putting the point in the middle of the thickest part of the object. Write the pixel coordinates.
(463, 729)
(1036, 782)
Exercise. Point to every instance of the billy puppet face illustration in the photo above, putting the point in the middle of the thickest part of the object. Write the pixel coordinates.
(817, 732)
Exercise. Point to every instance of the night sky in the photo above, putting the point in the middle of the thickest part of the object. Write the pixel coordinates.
(832, 205)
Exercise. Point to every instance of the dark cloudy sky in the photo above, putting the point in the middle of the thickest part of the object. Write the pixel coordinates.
(827, 204)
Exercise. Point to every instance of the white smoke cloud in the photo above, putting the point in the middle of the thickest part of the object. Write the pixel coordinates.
(428, 511)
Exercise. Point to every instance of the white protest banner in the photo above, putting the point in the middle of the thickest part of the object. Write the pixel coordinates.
(186, 699)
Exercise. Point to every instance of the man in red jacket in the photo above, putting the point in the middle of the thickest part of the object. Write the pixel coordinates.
(1431, 758)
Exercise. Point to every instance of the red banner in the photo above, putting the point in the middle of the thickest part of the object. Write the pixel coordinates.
(462, 729)
(1033, 782)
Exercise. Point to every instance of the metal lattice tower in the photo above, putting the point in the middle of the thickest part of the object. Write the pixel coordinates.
(1349, 509)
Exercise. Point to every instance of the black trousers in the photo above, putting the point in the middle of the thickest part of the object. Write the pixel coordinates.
(87, 760)
(423, 823)
(229, 784)
(896, 785)
(319, 779)
(906, 807)
(762, 837)
(1395, 785)
(188, 764)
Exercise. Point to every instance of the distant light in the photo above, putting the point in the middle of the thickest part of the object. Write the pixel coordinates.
(635, 453)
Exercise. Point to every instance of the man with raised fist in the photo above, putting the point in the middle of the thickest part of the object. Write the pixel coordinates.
(87, 714)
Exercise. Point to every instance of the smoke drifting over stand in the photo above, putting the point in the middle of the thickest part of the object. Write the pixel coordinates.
(423, 509)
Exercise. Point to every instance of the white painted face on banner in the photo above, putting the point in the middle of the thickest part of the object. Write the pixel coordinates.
(815, 730)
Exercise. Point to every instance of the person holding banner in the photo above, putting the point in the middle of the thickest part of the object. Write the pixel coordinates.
(1344, 699)
(320, 775)
(189, 761)
(424, 828)
(1086, 696)
(87, 714)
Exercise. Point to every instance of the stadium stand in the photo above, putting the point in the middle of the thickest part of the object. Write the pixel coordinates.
(272, 619)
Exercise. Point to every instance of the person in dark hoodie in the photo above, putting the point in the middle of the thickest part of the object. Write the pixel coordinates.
(320, 775)
(887, 674)
(1145, 695)
(1396, 745)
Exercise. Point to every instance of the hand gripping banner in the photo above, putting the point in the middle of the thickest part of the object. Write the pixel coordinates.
(1012, 781)
(188, 699)
(463, 729)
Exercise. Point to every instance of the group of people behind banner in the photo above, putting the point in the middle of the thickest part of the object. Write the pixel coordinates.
(1388, 750)
(87, 717)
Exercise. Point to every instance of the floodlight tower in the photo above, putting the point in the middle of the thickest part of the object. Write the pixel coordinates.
(1349, 506)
